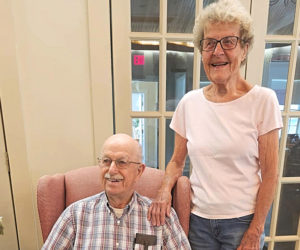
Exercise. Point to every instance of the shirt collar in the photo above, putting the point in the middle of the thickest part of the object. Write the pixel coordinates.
(127, 209)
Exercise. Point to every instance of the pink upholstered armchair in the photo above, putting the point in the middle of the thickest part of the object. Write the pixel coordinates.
(55, 193)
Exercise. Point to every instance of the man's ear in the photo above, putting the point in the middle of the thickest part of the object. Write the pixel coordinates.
(141, 169)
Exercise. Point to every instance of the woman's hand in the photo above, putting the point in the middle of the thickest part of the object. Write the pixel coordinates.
(160, 208)
(250, 241)
(161, 205)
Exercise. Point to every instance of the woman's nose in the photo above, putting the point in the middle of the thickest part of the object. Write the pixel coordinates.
(218, 49)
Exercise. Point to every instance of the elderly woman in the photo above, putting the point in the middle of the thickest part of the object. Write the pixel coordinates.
(229, 129)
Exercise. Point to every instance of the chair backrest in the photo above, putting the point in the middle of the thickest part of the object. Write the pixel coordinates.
(56, 192)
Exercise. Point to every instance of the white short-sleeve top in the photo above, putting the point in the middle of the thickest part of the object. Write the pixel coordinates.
(222, 143)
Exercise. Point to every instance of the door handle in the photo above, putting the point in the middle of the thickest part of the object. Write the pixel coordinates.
(1, 226)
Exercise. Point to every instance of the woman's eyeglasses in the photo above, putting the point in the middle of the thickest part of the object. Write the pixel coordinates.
(210, 44)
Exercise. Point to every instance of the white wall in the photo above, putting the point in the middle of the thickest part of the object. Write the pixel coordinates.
(48, 102)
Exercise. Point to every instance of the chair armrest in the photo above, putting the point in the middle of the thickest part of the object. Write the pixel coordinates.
(182, 201)
(50, 201)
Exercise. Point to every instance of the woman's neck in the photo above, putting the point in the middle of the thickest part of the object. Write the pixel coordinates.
(218, 92)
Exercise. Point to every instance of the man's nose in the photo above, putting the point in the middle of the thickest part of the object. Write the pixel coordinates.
(113, 167)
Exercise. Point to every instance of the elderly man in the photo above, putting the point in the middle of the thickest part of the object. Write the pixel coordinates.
(117, 217)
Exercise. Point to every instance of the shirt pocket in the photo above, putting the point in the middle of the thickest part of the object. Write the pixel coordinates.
(142, 247)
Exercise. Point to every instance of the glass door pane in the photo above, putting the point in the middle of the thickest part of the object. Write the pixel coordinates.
(144, 75)
(145, 130)
(181, 16)
(295, 106)
(284, 245)
(170, 137)
(203, 77)
(144, 15)
(281, 17)
(208, 2)
(180, 59)
(292, 151)
(289, 210)
(276, 67)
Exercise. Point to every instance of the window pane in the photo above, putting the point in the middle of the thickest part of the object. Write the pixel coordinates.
(296, 90)
(276, 66)
(181, 16)
(145, 75)
(203, 77)
(292, 151)
(284, 246)
(268, 222)
(208, 2)
(144, 15)
(145, 130)
(281, 17)
(289, 210)
(180, 56)
(170, 146)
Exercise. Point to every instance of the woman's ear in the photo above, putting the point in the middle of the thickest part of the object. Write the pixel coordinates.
(245, 51)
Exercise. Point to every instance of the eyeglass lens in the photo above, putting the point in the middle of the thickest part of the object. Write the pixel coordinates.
(210, 44)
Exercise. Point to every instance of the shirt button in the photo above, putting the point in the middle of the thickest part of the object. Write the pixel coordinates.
(118, 222)
(117, 244)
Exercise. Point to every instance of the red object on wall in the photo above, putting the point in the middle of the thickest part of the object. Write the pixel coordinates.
(138, 60)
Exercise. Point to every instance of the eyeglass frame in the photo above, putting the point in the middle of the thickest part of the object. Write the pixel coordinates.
(117, 162)
(219, 41)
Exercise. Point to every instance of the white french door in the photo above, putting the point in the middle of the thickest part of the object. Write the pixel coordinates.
(8, 240)
(155, 64)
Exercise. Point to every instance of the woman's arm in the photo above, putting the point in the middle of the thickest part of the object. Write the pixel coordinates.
(161, 205)
(268, 161)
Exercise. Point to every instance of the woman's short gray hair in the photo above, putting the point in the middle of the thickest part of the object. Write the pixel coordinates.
(225, 11)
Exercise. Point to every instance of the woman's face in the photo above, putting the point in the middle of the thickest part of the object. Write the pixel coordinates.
(222, 66)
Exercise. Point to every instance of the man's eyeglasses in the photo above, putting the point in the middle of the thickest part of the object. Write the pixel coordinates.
(121, 163)
(210, 44)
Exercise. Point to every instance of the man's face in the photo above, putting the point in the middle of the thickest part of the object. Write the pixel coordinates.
(118, 174)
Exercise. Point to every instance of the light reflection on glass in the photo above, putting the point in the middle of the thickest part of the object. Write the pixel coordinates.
(292, 149)
(208, 2)
(295, 105)
(203, 77)
(145, 130)
(281, 17)
(181, 16)
(144, 15)
(180, 57)
(145, 75)
(285, 245)
(276, 66)
(268, 222)
(289, 210)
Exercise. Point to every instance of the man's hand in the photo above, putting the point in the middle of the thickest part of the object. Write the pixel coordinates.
(160, 208)
(250, 240)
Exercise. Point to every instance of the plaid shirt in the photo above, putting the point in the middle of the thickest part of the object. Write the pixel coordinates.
(91, 224)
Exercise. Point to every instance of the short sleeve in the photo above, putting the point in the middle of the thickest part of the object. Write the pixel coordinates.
(63, 233)
(178, 120)
(269, 115)
(173, 234)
